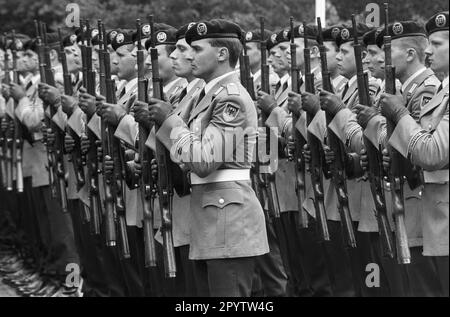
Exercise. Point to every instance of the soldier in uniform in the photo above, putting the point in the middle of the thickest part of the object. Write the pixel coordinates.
(425, 143)
(227, 225)
(418, 86)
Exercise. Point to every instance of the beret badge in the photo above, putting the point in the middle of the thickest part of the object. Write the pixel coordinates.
(285, 34)
(440, 20)
(19, 45)
(161, 37)
(334, 32)
(73, 38)
(202, 29)
(273, 38)
(248, 36)
(345, 34)
(112, 35)
(397, 28)
(146, 29)
(94, 32)
(120, 38)
(301, 30)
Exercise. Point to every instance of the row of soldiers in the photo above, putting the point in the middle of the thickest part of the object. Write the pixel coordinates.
(217, 162)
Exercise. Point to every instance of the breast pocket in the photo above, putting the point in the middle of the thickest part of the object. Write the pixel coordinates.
(221, 209)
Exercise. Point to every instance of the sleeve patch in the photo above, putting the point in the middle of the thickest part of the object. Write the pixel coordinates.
(230, 112)
(424, 100)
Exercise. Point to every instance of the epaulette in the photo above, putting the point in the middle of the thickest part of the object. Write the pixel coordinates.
(233, 89)
(432, 81)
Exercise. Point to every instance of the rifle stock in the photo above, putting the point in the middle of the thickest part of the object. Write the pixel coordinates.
(165, 185)
(145, 156)
(374, 173)
(338, 176)
(299, 141)
(316, 152)
(395, 176)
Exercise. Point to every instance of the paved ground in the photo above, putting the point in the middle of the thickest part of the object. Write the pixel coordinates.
(6, 291)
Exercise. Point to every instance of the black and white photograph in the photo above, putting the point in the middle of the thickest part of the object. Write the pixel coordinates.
(224, 155)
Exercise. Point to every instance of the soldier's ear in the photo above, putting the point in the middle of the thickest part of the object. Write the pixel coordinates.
(411, 54)
(223, 54)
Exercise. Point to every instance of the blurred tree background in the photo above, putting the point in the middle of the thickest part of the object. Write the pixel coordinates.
(19, 14)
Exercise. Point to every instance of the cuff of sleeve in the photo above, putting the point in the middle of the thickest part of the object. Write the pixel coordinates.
(301, 125)
(76, 121)
(276, 118)
(22, 104)
(337, 125)
(372, 130)
(167, 133)
(60, 118)
(403, 134)
(318, 126)
(151, 140)
(95, 125)
(127, 130)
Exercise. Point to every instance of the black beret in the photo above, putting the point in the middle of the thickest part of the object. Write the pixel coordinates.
(330, 34)
(255, 35)
(370, 37)
(123, 37)
(181, 32)
(110, 35)
(19, 41)
(69, 40)
(164, 35)
(346, 34)
(311, 32)
(216, 28)
(145, 32)
(401, 29)
(438, 22)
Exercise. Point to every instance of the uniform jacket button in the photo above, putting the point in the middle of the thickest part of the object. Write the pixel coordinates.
(221, 201)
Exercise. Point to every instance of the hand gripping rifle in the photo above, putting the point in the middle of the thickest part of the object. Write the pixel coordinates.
(375, 160)
(75, 157)
(92, 159)
(113, 148)
(17, 139)
(395, 175)
(299, 141)
(145, 156)
(316, 152)
(9, 132)
(165, 185)
(338, 176)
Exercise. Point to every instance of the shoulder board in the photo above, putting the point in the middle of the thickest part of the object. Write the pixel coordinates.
(233, 89)
(432, 81)
(218, 91)
(412, 89)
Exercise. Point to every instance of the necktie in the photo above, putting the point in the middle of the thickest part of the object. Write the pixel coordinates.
(182, 94)
(440, 88)
(200, 96)
(345, 90)
(277, 86)
(122, 93)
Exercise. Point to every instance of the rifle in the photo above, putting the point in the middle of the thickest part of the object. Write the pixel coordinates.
(113, 149)
(165, 185)
(299, 141)
(56, 150)
(316, 152)
(338, 176)
(395, 176)
(145, 156)
(375, 159)
(92, 159)
(8, 136)
(3, 142)
(17, 138)
(75, 157)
